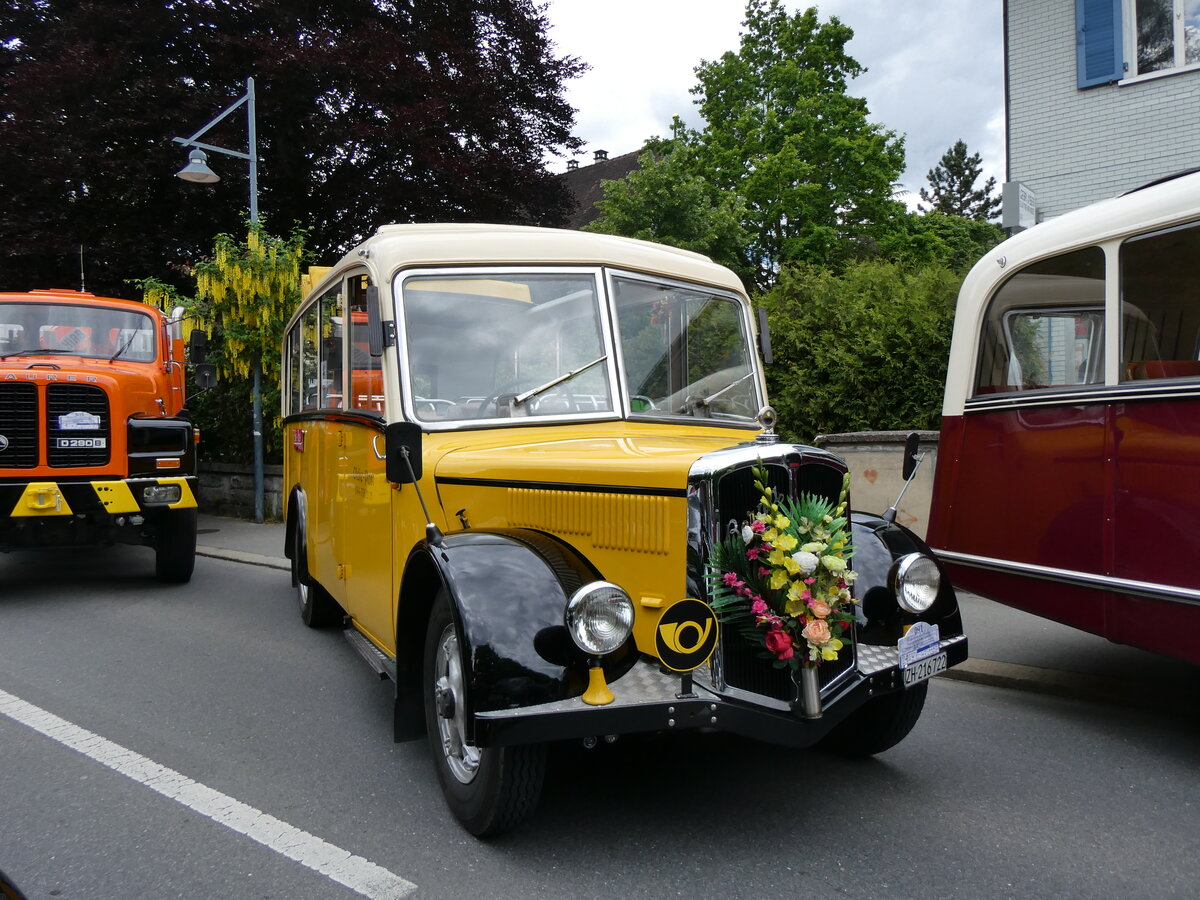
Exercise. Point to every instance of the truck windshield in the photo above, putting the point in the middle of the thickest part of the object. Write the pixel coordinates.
(498, 345)
(52, 329)
(685, 352)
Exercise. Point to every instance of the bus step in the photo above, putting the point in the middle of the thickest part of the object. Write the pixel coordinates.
(384, 666)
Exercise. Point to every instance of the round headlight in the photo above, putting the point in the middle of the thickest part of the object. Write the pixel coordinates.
(915, 580)
(599, 616)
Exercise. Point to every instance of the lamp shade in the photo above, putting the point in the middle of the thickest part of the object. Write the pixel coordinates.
(197, 169)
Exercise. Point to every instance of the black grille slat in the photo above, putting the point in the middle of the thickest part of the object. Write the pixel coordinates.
(19, 425)
(64, 399)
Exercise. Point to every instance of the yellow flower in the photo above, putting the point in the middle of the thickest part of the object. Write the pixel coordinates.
(782, 522)
(786, 542)
(770, 535)
(778, 579)
(829, 651)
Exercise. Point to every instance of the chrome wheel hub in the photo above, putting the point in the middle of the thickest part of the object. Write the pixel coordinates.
(462, 760)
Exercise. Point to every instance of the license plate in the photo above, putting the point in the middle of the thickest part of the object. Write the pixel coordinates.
(923, 669)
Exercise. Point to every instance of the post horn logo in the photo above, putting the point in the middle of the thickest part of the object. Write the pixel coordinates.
(3, 443)
(686, 635)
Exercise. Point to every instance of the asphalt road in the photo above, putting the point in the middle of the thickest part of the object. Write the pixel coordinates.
(269, 726)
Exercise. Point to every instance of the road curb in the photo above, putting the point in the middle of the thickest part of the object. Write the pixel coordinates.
(254, 559)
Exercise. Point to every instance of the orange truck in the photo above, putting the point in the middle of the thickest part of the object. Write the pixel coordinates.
(96, 445)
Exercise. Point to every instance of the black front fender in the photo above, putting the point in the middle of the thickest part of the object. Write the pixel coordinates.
(507, 592)
(878, 543)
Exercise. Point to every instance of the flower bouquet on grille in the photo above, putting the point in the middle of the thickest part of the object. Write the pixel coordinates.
(782, 579)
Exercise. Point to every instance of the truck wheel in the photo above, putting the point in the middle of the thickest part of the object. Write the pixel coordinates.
(317, 608)
(492, 789)
(880, 724)
(175, 552)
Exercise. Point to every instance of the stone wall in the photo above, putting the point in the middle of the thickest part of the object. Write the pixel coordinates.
(227, 489)
(875, 459)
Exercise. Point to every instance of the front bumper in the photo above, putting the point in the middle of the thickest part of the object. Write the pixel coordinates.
(650, 700)
(114, 496)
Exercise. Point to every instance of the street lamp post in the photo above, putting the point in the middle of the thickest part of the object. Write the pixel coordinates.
(197, 170)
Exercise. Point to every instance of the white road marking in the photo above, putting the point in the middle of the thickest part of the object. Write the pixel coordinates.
(358, 874)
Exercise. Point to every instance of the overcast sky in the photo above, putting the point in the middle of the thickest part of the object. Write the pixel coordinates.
(935, 70)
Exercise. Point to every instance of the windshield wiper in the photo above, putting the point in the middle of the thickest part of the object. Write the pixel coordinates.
(37, 351)
(541, 388)
(697, 404)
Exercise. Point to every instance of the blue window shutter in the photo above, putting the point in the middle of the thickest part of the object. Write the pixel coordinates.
(1099, 50)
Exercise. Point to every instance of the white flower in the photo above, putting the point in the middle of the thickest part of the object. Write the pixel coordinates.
(747, 533)
(806, 561)
(813, 547)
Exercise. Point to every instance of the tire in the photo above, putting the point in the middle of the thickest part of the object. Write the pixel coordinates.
(880, 724)
(490, 790)
(175, 549)
(317, 608)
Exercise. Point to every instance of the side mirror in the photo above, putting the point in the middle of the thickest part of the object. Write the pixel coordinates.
(911, 443)
(402, 443)
(206, 375)
(764, 337)
(197, 345)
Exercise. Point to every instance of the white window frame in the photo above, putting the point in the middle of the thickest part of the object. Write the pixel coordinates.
(1129, 36)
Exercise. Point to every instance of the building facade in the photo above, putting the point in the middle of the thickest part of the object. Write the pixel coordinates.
(1101, 96)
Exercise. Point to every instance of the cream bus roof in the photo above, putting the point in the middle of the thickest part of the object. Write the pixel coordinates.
(1162, 205)
(394, 247)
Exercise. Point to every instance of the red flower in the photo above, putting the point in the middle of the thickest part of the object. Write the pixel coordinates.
(779, 643)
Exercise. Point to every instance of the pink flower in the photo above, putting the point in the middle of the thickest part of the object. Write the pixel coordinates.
(820, 608)
(731, 579)
(752, 552)
(758, 607)
(759, 527)
(817, 631)
(764, 572)
(779, 643)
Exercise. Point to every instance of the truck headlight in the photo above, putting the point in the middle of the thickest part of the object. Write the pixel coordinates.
(161, 493)
(599, 617)
(914, 581)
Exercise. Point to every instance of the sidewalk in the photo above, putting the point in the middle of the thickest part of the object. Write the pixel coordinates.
(1008, 648)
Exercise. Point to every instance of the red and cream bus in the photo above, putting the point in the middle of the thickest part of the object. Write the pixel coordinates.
(1068, 477)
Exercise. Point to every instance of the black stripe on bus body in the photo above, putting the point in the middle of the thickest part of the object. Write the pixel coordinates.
(565, 486)
(1119, 394)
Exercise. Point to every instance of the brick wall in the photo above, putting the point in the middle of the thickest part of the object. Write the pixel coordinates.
(1073, 147)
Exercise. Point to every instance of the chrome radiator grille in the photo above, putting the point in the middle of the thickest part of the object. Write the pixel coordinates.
(721, 498)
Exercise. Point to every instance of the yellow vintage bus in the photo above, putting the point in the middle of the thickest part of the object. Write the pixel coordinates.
(534, 475)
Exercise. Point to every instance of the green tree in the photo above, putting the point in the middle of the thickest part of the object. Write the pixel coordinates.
(786, 144)
(939, 239)
(666, 200)
(952, 188)
(863, 349)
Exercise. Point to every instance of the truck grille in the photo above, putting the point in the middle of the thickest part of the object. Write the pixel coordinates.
(76, 446)
(18, 425)
(734, 498)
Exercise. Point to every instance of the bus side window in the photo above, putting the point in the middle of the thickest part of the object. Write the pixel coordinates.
(1044, 327)
(331, 386)
(366, 371)
(1160, 290)
(309, 338)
